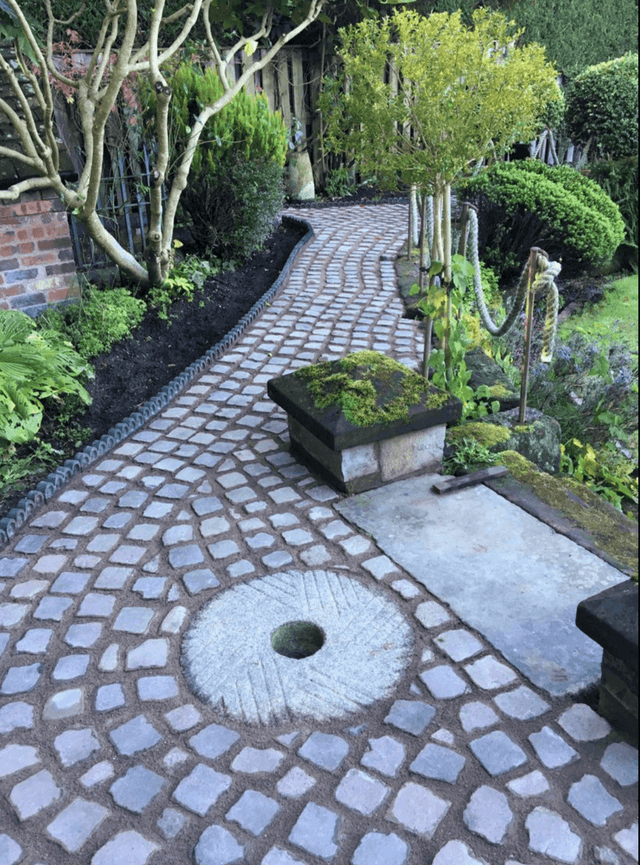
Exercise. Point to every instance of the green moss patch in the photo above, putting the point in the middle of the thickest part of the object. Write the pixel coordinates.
(486, 434)
(612, 532)
(370, 388)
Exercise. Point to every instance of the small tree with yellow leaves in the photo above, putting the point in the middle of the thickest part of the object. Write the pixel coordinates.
(463, 94)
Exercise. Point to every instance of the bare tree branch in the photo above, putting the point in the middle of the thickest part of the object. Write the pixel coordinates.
(25, 127)
(63, 79)
(15, 191)
(113, 60)
(21, 157)
(73, 17)
(263, 30)
(176, 15)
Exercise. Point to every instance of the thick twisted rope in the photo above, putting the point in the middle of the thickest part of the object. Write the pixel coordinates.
(545, 274)
(545, 281)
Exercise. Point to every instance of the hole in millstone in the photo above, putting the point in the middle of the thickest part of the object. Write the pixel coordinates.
(297, 639)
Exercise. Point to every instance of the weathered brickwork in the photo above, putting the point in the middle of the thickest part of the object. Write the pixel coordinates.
(36, 257)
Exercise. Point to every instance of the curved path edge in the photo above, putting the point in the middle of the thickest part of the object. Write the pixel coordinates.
(59, 477)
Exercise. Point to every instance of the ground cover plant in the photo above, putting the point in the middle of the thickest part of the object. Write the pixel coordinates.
(35, 364)
(590, 388)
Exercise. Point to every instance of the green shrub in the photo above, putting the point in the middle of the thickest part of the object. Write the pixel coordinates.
(527, 203)
(34, 365)
(575, 33)
(235, 186)
(97, 321)
(340, 183)
(602, 107)
(232, 208)
(619, 179)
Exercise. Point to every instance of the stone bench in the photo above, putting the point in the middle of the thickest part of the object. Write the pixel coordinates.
(610, 618)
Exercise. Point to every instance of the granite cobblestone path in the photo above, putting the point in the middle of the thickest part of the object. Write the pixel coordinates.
(106, 755)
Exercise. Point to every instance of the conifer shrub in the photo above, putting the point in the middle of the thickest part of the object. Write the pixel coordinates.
(602, 107)
(527, 203)
(235, 187)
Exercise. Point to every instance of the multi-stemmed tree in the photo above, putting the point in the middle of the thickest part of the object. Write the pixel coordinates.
(463, 93)
(119, 54)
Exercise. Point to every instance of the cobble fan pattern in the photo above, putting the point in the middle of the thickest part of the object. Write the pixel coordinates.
(106, 754)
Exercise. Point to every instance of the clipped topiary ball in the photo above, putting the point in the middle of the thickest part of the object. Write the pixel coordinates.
(527, 203)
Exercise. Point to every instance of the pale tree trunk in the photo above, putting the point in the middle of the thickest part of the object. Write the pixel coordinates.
(96, 93)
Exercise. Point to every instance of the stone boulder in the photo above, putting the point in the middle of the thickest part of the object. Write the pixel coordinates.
(538, 439)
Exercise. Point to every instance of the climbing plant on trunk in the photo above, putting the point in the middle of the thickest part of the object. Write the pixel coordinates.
(118, 55)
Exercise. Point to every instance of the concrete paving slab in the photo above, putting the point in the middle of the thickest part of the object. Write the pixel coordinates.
(505, 573)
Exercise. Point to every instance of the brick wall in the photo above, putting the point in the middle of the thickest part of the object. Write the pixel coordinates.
(36, 257)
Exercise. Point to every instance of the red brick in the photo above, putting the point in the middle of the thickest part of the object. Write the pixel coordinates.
(55, 269)
(31, 207)
(58, 243)
(37, 232)
(57, 231)
(31, 260)
(6, 251)
(23, 234)
(24, 248)
(57, 294)
(12, 290)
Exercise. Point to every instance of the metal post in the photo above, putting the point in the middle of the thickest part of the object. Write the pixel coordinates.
(533, 256)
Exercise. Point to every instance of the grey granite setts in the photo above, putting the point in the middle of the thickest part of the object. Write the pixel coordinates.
(108, 755)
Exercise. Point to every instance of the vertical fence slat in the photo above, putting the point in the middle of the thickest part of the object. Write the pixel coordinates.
(250, 86)
(269, 86)
(282, 86)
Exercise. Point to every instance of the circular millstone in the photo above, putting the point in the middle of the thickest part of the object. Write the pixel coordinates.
(311, 643)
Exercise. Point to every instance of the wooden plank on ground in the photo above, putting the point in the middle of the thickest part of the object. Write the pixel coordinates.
(470, 480)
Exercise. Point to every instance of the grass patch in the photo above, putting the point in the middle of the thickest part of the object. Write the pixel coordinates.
(613, 319)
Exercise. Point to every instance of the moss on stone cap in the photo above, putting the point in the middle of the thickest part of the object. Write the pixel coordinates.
(370, 388)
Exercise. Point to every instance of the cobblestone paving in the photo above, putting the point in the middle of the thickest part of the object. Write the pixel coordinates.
(107, 757)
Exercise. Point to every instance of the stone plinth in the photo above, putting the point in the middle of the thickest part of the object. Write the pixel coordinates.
(366, 466)
(610, 618)
(354, 458)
